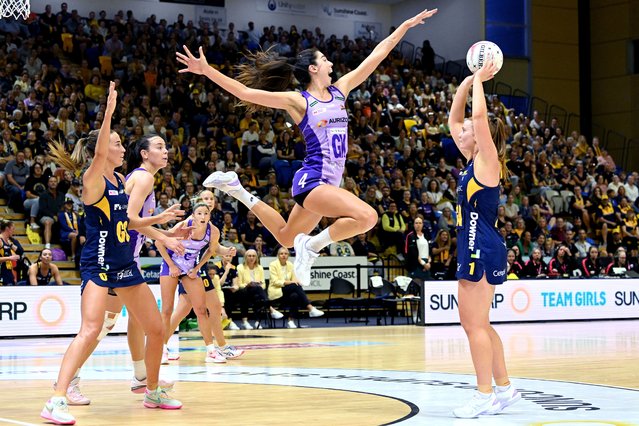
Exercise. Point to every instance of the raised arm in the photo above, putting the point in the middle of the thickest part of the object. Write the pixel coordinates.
(487, 157)
(289, 101)
(356, 77)
(458, 110)
(93, 178)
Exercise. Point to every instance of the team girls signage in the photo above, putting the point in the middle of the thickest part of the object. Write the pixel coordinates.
(541, 300)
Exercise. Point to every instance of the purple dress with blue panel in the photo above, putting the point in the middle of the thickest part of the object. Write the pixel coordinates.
(325, 130)
(137, 239)
(192, 249)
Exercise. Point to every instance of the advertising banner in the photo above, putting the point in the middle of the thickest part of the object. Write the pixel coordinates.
(48, 311)
(289, 7)
(541, 300)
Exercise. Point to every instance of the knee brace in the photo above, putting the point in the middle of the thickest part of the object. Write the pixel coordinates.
(110, 318)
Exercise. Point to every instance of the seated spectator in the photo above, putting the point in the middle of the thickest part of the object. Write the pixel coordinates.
(35, 185)
(44, 272)
(447, 221)
(231, 240)
(620, 265)
(252, 292)
(15, 177)
(615, 243)
(10, 253)
(50, 204)
(417, 252)
(284, 288)
(513, 266)
(363, 247)
(70, 228)
(285, 165)
(535, 267)
(590, 266)
(442, 254)
(525, 244)
(582, 244)
(630, 232)
(607, 218)
(226, 283)
(393, 228)
(561, 265)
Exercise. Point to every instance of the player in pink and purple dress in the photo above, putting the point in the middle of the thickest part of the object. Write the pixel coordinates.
(320, 113)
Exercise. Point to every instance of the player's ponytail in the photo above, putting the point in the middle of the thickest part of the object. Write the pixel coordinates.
(498, 133)
(83, 151)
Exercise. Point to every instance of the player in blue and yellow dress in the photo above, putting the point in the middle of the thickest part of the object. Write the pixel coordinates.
(107, 265)
(481, 251)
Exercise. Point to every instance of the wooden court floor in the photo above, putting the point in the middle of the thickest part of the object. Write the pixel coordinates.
(569, 373)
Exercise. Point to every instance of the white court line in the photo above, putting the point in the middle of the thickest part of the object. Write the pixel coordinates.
(16, 422)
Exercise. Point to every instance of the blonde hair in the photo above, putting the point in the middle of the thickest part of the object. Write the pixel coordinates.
(74, 161)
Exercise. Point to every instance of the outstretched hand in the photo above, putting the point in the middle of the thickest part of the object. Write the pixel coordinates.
(420, 18)
(193, 64)
(112, 100)
(489, 69)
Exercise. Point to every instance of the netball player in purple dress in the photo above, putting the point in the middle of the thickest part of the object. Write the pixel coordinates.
(320, 113)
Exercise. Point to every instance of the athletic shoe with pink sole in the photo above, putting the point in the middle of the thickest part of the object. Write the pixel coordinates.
(56, 410)
(138, 386)
(215, 357)
(74, 394)
(158, 398)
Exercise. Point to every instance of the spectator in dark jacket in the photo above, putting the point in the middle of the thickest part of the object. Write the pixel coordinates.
(51, 203)
(417, 251)
(535, 267)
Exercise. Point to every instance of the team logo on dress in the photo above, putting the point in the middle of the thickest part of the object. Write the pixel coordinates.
(113, 192)
(322, 123)
(127, 273)
(319, 111)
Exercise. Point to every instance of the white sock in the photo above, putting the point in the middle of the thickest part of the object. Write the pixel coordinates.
(502, 388)
(139, 370)
(484, 395)
(244, 197)
(319, 241)
(211, 348)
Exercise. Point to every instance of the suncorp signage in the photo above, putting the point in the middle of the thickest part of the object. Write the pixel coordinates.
(541, 300)
(48, 311)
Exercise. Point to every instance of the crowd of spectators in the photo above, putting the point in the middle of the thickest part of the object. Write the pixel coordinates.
(566, 206)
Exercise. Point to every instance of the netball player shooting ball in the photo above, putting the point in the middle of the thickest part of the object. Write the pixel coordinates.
(320, 113)
(481, 250)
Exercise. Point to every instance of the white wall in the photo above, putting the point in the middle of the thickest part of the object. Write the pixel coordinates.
(457, 25)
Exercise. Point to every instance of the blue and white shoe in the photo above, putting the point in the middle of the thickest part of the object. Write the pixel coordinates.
(224, 181)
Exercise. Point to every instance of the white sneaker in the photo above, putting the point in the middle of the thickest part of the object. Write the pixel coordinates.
(231, 352)
(74, 395)
(165, 356)
(304, 259)
(34, 226)
(257, 325)
(215, 356)
(246, 325)
(56, 410)
(224, 181)
(291, 324)
(138, 386)
(314, 313)
(233, 326)
(506, 396)
(479, 404)
(275, 314)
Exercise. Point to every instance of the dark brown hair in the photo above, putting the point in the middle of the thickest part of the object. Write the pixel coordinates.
(269, 71)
